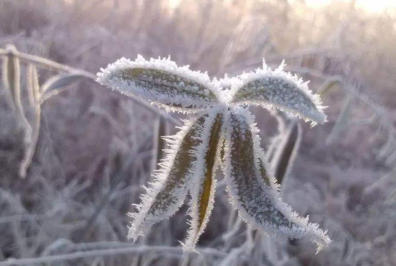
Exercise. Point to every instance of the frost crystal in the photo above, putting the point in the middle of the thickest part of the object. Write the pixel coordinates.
(223, 134)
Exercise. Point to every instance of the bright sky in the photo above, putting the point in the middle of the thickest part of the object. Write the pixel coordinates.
(374, 6)
(368, 5)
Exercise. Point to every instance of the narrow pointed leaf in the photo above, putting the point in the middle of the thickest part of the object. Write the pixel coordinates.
(162, 82)
(280, 90)
(167, 193)
(286, 151)
(52, 86)
(342, 119)
(252, 189)
(204, 185)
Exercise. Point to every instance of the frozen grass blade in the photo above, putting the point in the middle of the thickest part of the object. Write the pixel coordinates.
(31, 148)
(57, 83)
(34, 88)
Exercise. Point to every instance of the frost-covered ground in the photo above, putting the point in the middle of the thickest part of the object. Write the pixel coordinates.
(95, 146)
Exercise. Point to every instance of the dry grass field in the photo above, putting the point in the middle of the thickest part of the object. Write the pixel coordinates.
(95, 148)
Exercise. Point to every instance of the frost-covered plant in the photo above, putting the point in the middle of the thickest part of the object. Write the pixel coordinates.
(224, 133)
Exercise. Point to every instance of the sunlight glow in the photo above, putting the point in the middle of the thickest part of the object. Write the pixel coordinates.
(374, 6)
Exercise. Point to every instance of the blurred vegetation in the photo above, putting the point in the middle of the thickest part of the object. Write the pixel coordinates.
(94, 147)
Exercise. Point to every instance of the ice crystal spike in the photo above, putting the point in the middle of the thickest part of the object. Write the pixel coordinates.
(280, 90)
(167, 193)
(161, 81)
(253, 191)
(224, 134)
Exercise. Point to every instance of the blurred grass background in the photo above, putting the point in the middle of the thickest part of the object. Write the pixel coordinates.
(96, 145)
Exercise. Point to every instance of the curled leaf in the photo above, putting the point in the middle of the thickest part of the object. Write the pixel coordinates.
(253, 191)
(204, 182)
(280, 90)
(167, 193)
(162, 82)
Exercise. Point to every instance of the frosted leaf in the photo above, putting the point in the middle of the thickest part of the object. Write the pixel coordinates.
(167, 193)
(253, 190)
(162, 82)
(281, 90)
(225, 85)
(204, 185)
